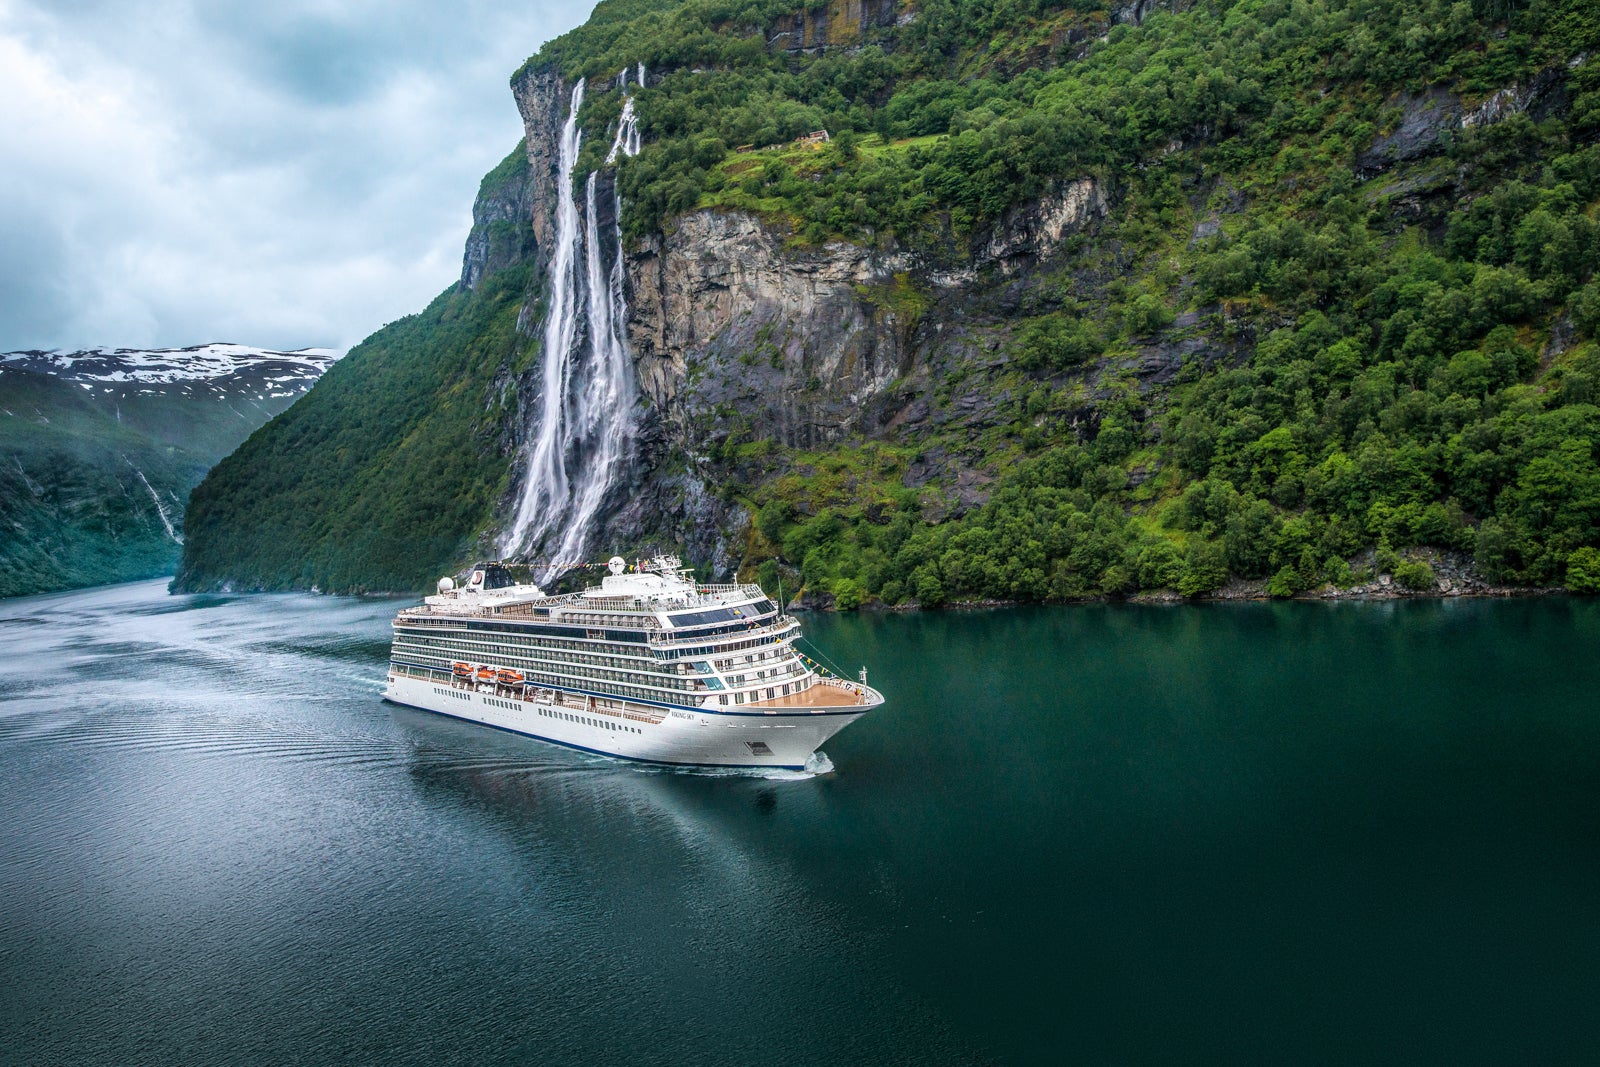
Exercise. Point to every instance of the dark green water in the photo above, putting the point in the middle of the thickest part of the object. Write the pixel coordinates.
(1280, 833)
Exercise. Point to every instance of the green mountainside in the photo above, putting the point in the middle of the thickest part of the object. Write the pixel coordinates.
(383, 470)
(99, 450)
(1325, 307)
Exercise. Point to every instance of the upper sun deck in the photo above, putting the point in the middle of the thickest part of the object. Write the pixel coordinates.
(658, 596)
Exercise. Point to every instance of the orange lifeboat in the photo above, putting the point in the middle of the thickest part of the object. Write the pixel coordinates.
(461, 670)
(510, 677)
(485, 674)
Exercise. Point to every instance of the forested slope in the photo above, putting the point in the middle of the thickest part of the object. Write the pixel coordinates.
(379, 476)
(99, 450)
(1331, 301)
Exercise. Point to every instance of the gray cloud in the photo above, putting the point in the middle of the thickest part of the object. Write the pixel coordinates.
(280, 174)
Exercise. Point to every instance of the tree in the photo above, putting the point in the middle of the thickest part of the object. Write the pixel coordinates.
(1205, 568)
(1583, 570)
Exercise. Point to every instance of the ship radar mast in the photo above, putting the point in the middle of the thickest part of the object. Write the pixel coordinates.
(669, 567)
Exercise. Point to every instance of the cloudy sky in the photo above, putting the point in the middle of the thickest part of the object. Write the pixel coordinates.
(284, 174)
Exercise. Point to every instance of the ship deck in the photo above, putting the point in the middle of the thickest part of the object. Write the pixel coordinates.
(818, 696)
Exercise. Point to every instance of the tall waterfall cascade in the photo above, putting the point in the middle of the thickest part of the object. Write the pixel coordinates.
(584, 435)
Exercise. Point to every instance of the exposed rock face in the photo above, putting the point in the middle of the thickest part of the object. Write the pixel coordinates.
(1429, 117)
(1426, 118)
(1545, 94)
(726, 324)
(1135, 12)
(839, 22)
(799, 344)
(738, 337)
(542, 100)
(1037, 230)
(501, 235)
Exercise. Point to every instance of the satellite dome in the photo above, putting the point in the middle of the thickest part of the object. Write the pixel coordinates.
(446, 584)
(617, 564)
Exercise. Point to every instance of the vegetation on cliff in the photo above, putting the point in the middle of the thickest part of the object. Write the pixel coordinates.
(1356, 239)
(1414, 308)
(99, 450)
(379, 477)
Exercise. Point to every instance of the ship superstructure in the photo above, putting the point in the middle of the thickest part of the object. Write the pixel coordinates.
(648, 665)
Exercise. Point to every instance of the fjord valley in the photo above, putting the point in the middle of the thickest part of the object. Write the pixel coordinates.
(99, 450)
(936, 300)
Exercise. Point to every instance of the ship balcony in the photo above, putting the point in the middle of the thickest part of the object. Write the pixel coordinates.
(663, 641)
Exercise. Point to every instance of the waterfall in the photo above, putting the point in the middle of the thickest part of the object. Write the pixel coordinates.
(585, 429)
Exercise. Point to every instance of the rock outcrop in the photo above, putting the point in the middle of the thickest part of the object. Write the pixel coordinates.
(501, 234)
(728, 325)
(1037, 230)
(1428, 118)
(542, 101)
(837, 23)
(740, 336)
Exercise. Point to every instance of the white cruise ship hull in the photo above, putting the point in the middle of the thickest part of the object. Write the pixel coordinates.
(690, 737)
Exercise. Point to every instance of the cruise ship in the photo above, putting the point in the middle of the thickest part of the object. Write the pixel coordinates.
(649, 665)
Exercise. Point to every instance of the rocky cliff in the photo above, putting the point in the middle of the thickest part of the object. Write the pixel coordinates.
(1151, 295)
(739, 335)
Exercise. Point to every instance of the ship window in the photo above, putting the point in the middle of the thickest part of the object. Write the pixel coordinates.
(723, 699)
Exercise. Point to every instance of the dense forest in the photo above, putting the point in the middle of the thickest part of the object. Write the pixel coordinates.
(380, 474)
(1368, 229)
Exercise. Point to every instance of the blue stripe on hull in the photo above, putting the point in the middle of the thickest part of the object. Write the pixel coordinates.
(598, 751)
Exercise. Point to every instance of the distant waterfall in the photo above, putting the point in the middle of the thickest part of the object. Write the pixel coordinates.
(585, 425)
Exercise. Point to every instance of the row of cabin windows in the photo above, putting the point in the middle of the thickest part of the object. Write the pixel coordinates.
(564, 668)
(503, 651)
(617, 679)
(506, 657)
(584, 720)
(638, 665)
(718, 649)
(629, 651)
(480, 640)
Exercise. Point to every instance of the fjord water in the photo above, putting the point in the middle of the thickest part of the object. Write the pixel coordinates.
(1268, 832)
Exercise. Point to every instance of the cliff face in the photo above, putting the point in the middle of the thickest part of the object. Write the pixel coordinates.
(501, 234)
(511, 215)
(734, 331)
(1305, 261)
(727, 327)
(542, 102)
(739, 336)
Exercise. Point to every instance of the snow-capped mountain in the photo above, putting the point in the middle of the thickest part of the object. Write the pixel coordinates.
(221, 370)
(99, 449)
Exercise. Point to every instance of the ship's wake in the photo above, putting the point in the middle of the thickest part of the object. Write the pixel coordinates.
(818, 765)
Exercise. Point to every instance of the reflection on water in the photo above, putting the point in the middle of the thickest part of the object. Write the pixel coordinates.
(1103, 833)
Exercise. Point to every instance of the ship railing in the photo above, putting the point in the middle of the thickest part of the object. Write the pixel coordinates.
(667, 639)
(711, 588)
(855, 689)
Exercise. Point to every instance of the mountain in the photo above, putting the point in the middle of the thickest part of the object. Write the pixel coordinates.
(100, 448)
(930, 300)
